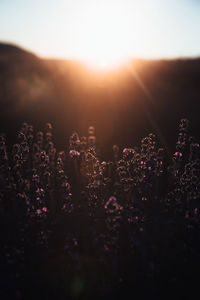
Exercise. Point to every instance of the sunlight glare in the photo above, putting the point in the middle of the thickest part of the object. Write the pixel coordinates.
(105, 31)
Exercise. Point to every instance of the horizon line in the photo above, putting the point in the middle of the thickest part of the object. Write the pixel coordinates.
(50, 57)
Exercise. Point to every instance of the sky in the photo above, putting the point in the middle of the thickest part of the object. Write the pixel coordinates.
(103, 29)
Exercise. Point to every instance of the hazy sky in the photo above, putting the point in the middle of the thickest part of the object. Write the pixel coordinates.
(81, 28)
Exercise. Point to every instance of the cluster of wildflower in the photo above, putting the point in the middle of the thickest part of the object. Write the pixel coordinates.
(184, 187)
(30, 171)
(63, 186)
(127, 203)
(88, 168)
(113, 218)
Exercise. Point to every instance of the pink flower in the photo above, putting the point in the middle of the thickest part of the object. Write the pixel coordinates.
(178, 154)
(44, 209)
(38, 211)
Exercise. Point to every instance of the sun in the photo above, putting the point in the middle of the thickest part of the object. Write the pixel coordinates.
(103, 63)
(104, 33)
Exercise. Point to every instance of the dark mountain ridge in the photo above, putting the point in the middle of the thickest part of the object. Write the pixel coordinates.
(124, 104)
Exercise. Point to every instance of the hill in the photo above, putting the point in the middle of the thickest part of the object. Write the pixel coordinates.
(124, 105)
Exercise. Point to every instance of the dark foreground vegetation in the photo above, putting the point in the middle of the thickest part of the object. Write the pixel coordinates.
(76, 227)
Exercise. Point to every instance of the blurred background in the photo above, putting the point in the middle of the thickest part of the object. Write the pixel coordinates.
(126, 67)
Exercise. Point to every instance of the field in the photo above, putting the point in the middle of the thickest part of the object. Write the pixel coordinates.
(99, 179)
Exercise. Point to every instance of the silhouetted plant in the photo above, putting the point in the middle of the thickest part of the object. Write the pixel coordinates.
(113, 217)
